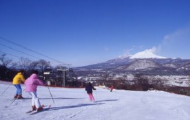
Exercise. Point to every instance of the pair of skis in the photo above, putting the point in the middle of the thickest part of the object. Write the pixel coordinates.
(32, 112)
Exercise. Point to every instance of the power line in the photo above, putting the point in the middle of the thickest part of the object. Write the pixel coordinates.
(20, 57)
(9, 54)
(18, 50)
(32, 50)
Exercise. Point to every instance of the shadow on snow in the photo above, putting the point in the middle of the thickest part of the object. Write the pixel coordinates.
(61, 98)
(74, 106)
(107, 100)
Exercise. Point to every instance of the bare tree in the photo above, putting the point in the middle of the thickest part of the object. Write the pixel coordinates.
(158, 84)
(42, 64)
(142, 82)
(33, 65)
(13, 65)
(24, 63)
(4, 60)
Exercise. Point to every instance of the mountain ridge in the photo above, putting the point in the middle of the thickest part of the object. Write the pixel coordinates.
(148, 64)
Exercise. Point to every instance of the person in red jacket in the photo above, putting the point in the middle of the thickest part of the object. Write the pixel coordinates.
(31, 84)
(111, 88)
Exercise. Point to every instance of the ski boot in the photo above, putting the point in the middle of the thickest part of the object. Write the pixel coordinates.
(15, 97)
(19, 97)
(34, 108)
(39, 109)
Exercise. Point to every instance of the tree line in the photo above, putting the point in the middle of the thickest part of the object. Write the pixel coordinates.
(8, 67)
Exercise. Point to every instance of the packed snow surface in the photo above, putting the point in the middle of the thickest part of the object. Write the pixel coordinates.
(73, 104)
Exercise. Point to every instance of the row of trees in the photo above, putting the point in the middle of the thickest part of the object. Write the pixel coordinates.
(8, 67)
(23, 63)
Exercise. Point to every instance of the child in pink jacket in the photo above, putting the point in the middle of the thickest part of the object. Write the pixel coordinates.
(31, 84)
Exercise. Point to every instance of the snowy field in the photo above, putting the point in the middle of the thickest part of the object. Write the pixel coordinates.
(73, 104)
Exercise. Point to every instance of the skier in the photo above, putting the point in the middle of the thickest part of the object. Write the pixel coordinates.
(111, 88)
(16, 82)
(31, 84)
(89, 89)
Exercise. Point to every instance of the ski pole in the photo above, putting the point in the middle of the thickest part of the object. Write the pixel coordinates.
(6, 89)
(10, 103)
(96, 95)
(51, 95)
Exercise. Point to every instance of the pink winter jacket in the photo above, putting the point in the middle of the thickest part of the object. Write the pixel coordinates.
(32, 82)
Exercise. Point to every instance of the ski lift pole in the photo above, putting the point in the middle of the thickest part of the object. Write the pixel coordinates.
(51, 95)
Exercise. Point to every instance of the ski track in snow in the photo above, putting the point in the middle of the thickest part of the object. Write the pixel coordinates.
(73, 104)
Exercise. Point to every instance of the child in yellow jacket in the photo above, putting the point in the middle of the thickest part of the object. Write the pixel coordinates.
(16, 82)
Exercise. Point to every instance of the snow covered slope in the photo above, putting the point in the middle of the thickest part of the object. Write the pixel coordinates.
(73, 104)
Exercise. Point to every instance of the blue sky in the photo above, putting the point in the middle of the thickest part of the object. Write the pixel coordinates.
(83, 32)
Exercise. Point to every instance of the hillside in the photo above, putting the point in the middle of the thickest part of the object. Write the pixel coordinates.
(73, 104)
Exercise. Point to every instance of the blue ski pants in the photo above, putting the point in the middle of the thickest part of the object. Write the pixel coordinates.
(18, 90)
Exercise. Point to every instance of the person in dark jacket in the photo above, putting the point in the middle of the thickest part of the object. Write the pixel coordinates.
(89, 88)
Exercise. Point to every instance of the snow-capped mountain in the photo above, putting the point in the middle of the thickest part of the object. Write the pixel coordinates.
(146, 61)
(146, 54)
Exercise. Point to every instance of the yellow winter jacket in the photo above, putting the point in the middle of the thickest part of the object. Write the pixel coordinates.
(18, 78)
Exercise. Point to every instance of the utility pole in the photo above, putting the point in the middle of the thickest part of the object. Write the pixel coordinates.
(64, 77)
(64, 74)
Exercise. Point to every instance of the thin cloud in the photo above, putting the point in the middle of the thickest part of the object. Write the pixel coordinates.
(175, 44)
(106, 49)
(141, 47)
(152, 50)
(126, 52)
